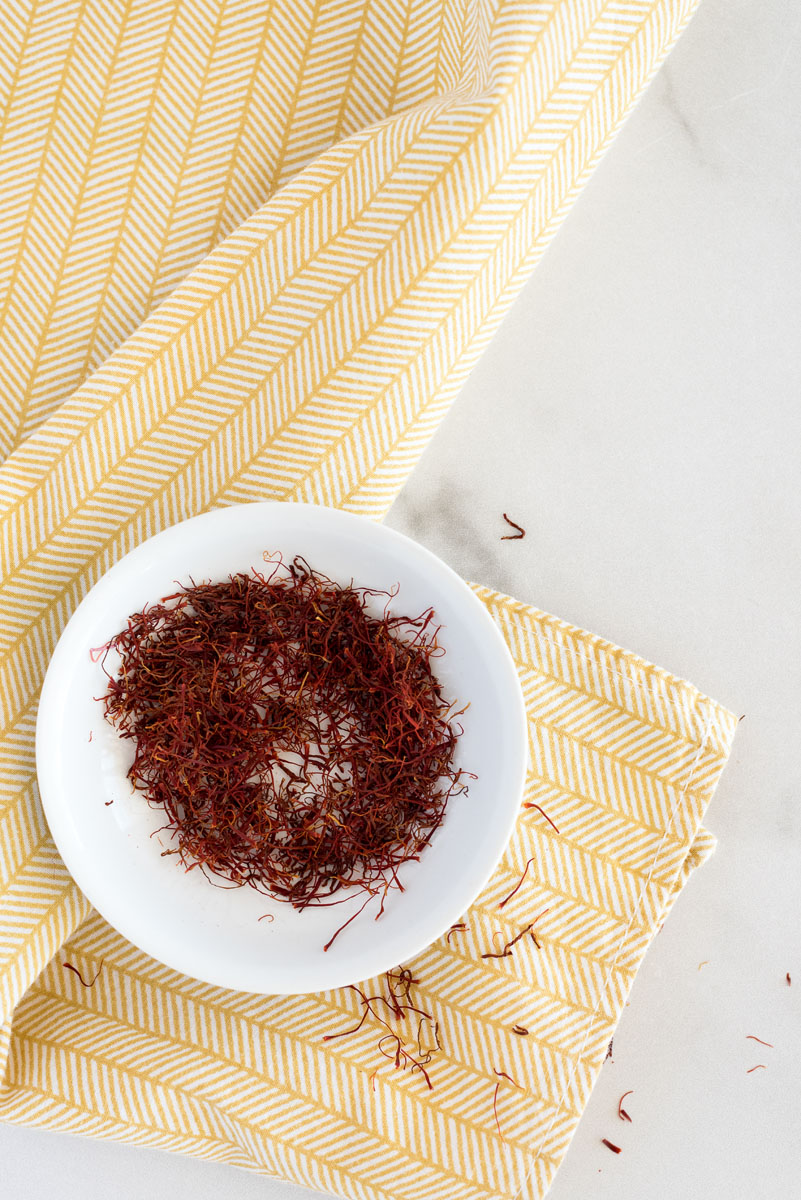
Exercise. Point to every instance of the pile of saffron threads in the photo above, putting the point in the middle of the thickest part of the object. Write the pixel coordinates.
(295, 742)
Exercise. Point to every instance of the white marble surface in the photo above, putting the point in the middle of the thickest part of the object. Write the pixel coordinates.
(639, 413)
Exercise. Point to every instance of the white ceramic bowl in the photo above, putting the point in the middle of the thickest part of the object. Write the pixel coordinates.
(212, 933)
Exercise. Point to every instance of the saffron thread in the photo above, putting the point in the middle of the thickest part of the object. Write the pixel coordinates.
(91, 983)
(621, 1112)
(517, 887)
(542, 812)
(513, 537)
(458, 928)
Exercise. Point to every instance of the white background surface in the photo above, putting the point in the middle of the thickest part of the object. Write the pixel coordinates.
(640, 414)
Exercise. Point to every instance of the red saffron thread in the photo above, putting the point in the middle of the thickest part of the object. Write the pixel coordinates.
(520, 1030)
(518, 885)
(507, 950)
(752, 1038)
(495, 1110)
(621, 1112)
(90, 735)
(398, 1002)
(758, 1067)
(267, 917)
(459, 928)
(503, 1075)
(609, 1049)
(513, 537)
(789, 980)
(345, 924)
(296, 742)
(610, 1146)
(69, 967)
(541, 811)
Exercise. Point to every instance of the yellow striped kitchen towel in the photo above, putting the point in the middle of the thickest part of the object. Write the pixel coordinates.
(249, 251)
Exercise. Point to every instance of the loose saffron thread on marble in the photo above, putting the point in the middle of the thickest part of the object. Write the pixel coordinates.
(513, 537)
(610, 1146)
(621, 1112)
(750, 1037)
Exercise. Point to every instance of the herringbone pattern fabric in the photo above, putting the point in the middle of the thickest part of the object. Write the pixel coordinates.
(250, 251)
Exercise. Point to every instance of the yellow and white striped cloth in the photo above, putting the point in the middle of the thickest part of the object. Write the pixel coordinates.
(249, 250)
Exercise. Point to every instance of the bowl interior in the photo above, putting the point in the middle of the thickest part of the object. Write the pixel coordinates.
(107, 835)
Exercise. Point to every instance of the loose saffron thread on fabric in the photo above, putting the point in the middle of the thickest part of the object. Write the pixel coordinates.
(621, 1112)
(541, 811)
(517, 886)
(91, 983)
(398, 1002)
(495, 1111)
(508, 948)
(502, 1075)
(520, 1030)
(513, 537)
(295, 741)
(460, 927)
